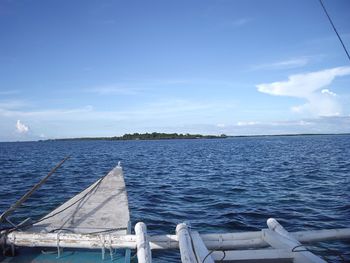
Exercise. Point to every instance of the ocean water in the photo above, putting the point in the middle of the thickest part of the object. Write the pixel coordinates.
(218, 185)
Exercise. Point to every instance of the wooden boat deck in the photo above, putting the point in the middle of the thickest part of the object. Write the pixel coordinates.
(102, 207)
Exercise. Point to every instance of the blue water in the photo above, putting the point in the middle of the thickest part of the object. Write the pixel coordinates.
(218, 185)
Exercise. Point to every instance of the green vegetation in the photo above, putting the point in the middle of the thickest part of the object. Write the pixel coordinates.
(151, 136)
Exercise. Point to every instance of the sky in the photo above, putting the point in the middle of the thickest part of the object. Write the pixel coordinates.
(105, 68)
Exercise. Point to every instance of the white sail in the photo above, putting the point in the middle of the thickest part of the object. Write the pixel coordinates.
(102, 207)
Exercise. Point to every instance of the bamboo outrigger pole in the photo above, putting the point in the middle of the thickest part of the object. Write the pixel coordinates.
(30, 192)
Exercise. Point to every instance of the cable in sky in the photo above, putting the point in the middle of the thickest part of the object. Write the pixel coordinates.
(335, 30)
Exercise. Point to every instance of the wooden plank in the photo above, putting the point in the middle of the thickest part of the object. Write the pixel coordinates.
(201, 251)
(143, 248)
(185, 244)
(101, 207)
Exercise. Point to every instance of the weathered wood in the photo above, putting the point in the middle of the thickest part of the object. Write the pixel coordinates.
(31, 191)
(101, 207)
(212, 241)
(70, 240)
(201, 251)
(185, 244)
(143, 248)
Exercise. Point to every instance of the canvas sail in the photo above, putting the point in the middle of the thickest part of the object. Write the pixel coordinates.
(101, 208)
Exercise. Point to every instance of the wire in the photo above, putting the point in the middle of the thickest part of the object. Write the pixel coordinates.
(89, 233)
(208, 255)
(222, 259)
(328, 251)
(300, 250)
(335, 30)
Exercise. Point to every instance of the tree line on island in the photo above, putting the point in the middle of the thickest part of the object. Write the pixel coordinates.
(151, 136)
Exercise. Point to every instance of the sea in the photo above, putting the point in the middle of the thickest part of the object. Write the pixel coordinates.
(214, 185)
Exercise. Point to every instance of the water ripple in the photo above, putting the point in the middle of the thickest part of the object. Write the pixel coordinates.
(214, 185)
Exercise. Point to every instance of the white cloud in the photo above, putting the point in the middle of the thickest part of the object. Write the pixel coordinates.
(284, 64)
(163, 109)
(21, 127)
(319, 125)
(247, 123)
(306, 86)
(114, 90)
(327, 91)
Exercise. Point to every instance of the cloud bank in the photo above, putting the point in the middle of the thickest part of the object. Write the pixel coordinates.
(308, 86)
(319, 125)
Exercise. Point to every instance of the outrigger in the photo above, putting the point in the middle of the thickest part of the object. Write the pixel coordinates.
(98, 219)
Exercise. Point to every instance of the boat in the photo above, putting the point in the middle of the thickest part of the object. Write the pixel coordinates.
(94, 226)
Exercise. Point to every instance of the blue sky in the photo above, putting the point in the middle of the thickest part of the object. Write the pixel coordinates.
(105, 68)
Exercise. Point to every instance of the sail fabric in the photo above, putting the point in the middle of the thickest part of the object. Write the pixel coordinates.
(101, 208)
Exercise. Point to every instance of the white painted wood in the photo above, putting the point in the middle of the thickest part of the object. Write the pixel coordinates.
(164, 242)
(236, 244)
(278, 237)
(278, 241)
(102, 206)
(232, 236)
(277, 227)
(226, 241)
(70, 240)
(282, 255)
(143, 248)
(185, 244)
(202, 253)
(321, 235)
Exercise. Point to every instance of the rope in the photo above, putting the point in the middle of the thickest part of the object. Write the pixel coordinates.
(90, 233)
(220, 260)
(207, 255)
(334, 28)
(223, 257)
(327, 251)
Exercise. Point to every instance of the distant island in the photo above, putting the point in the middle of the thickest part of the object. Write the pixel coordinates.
(148, 136)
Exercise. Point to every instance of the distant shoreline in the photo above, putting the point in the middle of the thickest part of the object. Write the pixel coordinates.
(185, 136)
(175, 136)
(146, 136)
